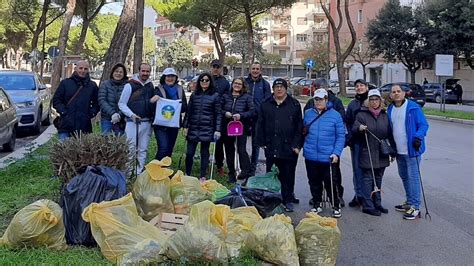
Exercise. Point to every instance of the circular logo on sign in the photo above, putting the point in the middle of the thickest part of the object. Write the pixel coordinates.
(168, 112)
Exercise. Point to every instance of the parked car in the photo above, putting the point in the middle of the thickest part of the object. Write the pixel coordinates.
(413, 92)
(31, 97)
(294, 80)
(350, 88)
(309, 86)
(433, 92)
(8, 122)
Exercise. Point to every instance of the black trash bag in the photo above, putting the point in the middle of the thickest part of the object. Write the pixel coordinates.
(264, 200)
(94, 184)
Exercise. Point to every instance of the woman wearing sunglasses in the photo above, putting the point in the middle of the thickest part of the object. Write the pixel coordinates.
(238, 106)
(202, 122)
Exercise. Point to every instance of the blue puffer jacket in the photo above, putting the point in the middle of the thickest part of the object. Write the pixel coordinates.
(326, 136)
(416, 126)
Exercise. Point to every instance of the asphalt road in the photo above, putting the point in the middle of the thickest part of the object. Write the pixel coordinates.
(454, 107)
(22, 139)
(448, 239)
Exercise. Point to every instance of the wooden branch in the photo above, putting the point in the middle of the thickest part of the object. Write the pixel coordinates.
(352, 30)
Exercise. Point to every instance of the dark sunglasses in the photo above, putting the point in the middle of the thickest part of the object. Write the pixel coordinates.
(205, 80)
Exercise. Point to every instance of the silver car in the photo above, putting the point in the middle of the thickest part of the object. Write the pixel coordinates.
(31, 97)
(8, 122)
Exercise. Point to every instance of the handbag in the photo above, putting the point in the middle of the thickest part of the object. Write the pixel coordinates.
(57, 121)
(385, 147)
(306, 128)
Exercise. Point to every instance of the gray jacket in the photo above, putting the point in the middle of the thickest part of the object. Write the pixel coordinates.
(109, 95)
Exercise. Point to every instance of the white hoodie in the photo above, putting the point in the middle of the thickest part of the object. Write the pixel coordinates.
(126, 93)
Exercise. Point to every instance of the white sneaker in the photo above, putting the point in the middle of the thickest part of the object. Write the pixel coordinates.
(336, 213)
(317, 209)
(412, 214)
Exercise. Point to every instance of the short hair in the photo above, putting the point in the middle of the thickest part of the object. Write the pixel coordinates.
(244, 85)
(257, 63)
(115, 68)
(142, 64)
(397, 85)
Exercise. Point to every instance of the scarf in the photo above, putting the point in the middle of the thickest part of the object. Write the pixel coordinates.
(362, 97)
(375, 112)
(171, 91)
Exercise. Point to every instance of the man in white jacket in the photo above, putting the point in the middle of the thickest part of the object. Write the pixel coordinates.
(135, 104)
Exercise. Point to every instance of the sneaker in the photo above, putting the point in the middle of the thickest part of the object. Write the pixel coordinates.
(402, 207)
(412, 214)
(373, 212)
(288, 207)
(311, 202)
(336, 213)
(354, 202)
(202, 179)
(220, 171)
(342, 202)
(317, 208)
(381, 209)
(294, 199)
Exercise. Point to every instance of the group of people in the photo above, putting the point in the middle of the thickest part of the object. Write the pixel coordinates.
(274, 121)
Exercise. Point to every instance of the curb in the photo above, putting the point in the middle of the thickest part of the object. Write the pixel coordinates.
(22, 152)
(449, 119)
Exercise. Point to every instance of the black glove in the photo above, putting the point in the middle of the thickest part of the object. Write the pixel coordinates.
(416, 144)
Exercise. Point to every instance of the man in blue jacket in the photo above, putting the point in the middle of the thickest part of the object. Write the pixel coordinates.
(322, 148)
(260, 90)
(409, 127)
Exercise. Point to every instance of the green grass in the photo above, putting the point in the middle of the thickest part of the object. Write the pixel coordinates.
(29, 179)
(449, 113)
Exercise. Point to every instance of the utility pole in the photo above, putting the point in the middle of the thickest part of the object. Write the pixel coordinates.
(138, 53)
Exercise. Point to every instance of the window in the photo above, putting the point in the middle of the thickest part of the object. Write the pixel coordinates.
(282, 40)
(282, 53)
(302, 21)
(210, 37)
(318, 38)
(301, 37)
(300, 53)
(359, 16)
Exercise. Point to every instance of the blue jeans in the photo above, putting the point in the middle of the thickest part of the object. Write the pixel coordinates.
(165, 139)
(356, 170)
(63, 136)
(107, 127)
(408, 171)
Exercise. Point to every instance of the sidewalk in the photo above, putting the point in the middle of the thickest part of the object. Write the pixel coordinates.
(453, 107)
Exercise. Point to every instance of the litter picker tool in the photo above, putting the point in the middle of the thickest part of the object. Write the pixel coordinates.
(427, 213)
(137, 125)
(182, 154)
(332, 185)
(376, 188)
(213, 159)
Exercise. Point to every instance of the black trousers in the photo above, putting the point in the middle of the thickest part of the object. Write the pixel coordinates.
(244, 159)
(371, 200)
(336, 171)
(191, 150)
(286, 175)
(319, 179)
(219, 153)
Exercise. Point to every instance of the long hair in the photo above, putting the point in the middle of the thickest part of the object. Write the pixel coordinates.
(115, 68)
(244, 86)
(211, 82)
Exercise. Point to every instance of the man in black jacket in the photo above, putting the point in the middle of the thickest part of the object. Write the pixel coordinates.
(76, 102)
(222, 87)
(335, 103)
(279, 132)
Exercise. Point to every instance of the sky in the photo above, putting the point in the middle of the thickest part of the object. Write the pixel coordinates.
(116, 8)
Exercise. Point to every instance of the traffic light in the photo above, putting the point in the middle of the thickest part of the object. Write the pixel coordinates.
(194, 63)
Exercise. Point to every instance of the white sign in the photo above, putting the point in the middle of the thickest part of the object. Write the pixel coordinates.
(168, 113)
(444, 65)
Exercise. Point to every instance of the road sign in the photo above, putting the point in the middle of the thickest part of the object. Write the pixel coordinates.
(444, 65)
(53, 51)
(310, 64)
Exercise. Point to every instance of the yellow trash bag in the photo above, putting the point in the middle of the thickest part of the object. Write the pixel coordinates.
(202, 237)
(216, 189)
(273, 240)
(239, 227)
(186, 191)
(151, 190)
(318, 240)
(39, 224)
(117, 228)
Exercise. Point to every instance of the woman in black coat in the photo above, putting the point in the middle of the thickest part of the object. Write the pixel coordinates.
(109, 95)
(372, 120)
(202, 122)
(238, 106)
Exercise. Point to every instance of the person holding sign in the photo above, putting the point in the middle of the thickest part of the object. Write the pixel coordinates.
(202, 122)
(170, 104)
(237, 106)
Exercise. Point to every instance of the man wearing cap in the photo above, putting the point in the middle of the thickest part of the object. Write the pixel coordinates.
(409, 127)
(353, 108)
(222, 86)
(168, 89)
(335, 103)
(279, 132)
(323, 145)
(260, 90)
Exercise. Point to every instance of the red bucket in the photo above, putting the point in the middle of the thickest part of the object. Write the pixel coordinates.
(235, 128)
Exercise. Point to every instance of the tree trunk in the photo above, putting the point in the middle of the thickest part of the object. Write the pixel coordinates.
(122, 39)
(412, 74)
(363, 71)
(248, 21)
(62, 42)
(19, 57)
(138, 52)
(82, 37)
(218, 42)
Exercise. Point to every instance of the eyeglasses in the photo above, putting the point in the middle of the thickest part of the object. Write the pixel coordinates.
(238, 83)
(374, 99)
(205, 80)
(319, 99)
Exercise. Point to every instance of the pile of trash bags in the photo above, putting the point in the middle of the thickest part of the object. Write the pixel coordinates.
(222, 223)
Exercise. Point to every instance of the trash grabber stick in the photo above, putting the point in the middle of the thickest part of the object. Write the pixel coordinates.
(427, 214)
(213, 159)
(137, 125)
(376, 188)
(182, 154)
(332, 185)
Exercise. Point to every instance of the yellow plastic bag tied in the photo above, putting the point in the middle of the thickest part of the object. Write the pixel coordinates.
(39, 224)
(273, 240)
(318, 240)
(151, 190)
(118, 229)
(239, 227)
(186, 191)
(216, 189)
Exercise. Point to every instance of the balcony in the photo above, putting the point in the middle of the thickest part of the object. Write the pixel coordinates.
(320, 27)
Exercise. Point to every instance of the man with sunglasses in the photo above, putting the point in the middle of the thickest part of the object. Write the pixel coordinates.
(222, 87)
